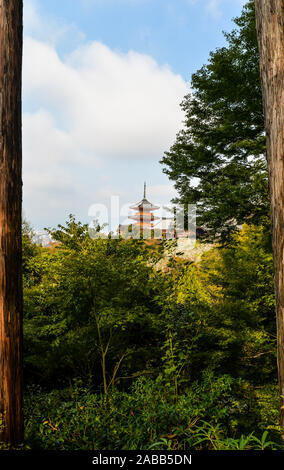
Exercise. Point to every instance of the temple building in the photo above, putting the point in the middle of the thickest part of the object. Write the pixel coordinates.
(145, 222)
(144, 217)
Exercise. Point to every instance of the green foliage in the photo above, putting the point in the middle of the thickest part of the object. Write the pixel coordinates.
(93, 303)
(146, 418)
(243, 323)
(71, 235)
(217, 160)
(213, 438)
(29, 253)
(178, 358)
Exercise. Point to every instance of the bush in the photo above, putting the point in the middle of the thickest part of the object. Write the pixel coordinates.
(146, 418)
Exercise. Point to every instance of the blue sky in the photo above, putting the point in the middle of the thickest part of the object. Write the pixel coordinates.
(103, 80)
(178, 32)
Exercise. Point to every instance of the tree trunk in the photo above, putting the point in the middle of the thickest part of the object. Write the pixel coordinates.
(270, 29)
(11, 409)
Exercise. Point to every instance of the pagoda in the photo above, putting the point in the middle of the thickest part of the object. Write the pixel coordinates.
(144, 217)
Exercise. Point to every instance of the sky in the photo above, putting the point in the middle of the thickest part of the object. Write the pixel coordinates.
(102, 85)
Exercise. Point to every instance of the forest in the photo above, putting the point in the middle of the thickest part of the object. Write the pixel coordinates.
(126, 348)
(122, 355)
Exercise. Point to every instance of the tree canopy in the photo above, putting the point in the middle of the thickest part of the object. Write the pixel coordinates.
(217, 160)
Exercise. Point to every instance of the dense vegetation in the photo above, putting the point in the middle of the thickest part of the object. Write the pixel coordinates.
(120, 354)
(123, 351)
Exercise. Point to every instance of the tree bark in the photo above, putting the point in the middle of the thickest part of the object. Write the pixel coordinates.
(11, 409)
(270, 30)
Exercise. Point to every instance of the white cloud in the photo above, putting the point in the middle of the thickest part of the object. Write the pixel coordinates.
(114, 105)
(88, 112)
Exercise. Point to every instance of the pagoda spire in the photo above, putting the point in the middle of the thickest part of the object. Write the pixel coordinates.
(144, 189)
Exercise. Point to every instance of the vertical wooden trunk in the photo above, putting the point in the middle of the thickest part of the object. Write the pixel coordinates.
(11, 409)
(270, 29)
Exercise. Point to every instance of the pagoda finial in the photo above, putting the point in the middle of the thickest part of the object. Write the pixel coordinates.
(145, 190)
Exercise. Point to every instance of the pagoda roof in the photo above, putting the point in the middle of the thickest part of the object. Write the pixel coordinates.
(145, 205)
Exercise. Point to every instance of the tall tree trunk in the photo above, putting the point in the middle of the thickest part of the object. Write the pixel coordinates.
(11, 409)
(270, 29)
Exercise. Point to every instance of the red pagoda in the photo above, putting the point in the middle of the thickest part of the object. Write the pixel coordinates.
(144, 217)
